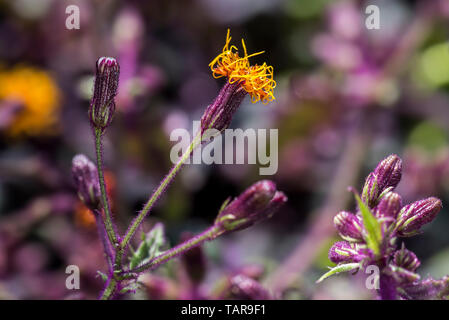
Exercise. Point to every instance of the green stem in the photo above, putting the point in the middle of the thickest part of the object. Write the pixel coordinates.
(109, 291)
(104, 198)
(119, 247)
(118, 258)
(209, 234)
(160, 189)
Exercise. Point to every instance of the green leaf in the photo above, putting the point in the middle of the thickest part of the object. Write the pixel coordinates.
(224, 205)
(103, 276)
(151, 246)
(373, 235)
(340, 268)
(131, 287)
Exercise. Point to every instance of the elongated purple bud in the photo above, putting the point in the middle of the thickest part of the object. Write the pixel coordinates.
(349, 226)
(257, 203)
(244, 288)
(413, 216)
(389, 206)
(406, 259)
(218, 114)
(388, 172)
(84, 174)
(370, 191)
(343, 251)
(102, 106)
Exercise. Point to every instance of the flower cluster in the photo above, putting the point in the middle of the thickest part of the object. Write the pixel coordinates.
(371, 234)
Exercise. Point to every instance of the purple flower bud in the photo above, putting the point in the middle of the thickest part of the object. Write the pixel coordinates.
(102, 106)
(401, 275)
(349, 226)
(258, 202)
(218, 114)
(84, 174)
(275, 204)
(406, 259)
(388, 172)
(413, 216)
(403, 266)
(427, 289)
(370, 191)
(244, 288)
(343, 251)
(389, 206)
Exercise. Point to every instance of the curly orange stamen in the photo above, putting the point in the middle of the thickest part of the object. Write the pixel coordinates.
(257, 80)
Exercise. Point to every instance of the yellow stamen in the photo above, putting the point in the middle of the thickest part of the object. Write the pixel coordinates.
(257, 80)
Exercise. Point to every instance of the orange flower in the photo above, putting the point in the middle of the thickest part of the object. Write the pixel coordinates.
(39, 97)
(256, 80)
(84, 217)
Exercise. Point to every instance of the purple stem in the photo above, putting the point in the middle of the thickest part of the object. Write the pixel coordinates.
(387, 287)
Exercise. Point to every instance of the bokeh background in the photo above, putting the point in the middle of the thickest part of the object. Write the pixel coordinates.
(346, 98)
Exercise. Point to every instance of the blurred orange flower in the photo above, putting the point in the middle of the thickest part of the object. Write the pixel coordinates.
(84, 217)
(38, 95)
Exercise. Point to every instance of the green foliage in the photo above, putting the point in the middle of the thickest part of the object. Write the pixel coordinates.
(429, 137)
(433, 65)
(103, 276)
(304, 8)
(338, 269)
(151, 246)
(373, 235)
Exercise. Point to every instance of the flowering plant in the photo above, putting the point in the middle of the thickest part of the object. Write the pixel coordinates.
(258, 202)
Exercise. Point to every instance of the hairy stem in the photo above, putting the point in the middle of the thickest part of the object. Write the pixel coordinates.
(209, 234)
(120, 247)
(104, 239)
(110, 289)
(104, 197)
(158, 192)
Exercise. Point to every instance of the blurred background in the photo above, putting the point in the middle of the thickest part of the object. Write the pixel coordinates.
(346, 98)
